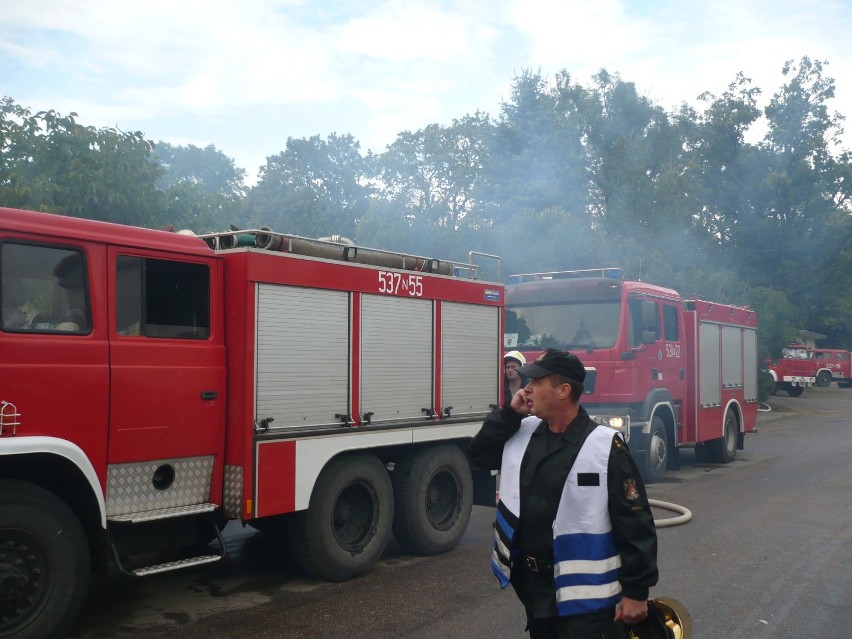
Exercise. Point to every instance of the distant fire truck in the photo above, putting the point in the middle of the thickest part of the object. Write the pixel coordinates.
(794, 371)
(669, 372)
(832, 365)
(155, 385)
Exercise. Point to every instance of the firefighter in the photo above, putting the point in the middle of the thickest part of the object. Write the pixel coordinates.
(512, 380)
(574, 534)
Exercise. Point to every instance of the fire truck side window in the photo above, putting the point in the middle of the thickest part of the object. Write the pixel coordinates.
(44, 289)
(670, 323)
(638, 321)
(161, 298)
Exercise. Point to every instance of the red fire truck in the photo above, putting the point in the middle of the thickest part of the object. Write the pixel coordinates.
(794, 371)
(155, 385)
(667, 371)
(832, 365)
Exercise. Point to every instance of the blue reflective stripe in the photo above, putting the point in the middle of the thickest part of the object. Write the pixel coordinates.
(508, 531)
(587, 546)
(586, 579)
(498, 569)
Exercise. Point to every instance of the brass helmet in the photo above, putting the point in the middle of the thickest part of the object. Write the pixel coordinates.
(675, 616)
(667, 619)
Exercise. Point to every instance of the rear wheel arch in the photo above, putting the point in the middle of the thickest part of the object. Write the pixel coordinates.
(723, 450)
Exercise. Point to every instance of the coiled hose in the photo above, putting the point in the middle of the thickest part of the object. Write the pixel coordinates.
(685, 513)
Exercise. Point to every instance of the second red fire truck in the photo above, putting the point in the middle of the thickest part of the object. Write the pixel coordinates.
(668, 371)
(794, 371)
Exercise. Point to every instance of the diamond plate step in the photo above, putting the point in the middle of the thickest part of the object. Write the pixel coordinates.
(175, 565)
(163, 513)
(205, 510)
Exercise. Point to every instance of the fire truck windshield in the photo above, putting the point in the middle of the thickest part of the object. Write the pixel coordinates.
(588, 325)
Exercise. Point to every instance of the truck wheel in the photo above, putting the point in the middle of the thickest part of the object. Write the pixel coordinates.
(773, 388)
(44, 563)
(823, 379)
(795, 391)
(433, 497)
(724, 449)
(656, 457)
(348, 522)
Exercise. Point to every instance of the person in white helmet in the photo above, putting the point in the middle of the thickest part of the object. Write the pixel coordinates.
(513, 381)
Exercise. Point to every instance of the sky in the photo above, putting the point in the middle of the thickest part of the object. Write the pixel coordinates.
(244, 75)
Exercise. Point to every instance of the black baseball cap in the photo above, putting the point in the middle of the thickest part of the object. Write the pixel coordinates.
(556, 362)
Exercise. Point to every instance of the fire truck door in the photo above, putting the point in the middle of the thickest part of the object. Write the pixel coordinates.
(657, 331)
(673, 362)
(167, 360)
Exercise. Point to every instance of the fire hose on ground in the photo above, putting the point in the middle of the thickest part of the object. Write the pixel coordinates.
(684, 516)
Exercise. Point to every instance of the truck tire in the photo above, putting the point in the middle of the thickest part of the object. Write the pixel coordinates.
(433, 497)
(823, 379)
(773, 388)
(348, 522)
(656, 456)
(724, 449)
(44, 563)
(794, 391)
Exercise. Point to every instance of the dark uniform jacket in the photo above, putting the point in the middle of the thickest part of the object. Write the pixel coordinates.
(544, 469)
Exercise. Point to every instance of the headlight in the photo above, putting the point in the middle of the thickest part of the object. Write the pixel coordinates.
(621, 423)
(616, 422)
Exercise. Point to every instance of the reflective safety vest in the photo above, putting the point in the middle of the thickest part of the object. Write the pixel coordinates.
(586, 562)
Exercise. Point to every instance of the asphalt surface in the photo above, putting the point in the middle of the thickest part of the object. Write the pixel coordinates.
(766, 554)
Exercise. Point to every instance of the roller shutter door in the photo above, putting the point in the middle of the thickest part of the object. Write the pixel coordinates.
(396, 357)
(302, 374)
(469, 347)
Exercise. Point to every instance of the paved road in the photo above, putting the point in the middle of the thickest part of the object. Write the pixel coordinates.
(767, 554)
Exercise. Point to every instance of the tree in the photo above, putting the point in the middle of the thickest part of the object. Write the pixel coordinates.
(537, 159)
(314, 188)
(203, 188)
(798, 221)
(53, 164)
(635, 157)
(208, 168)
(434, 174)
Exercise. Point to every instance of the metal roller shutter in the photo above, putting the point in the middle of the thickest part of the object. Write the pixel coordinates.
(302, 355)
(468, 348)
(396, 357)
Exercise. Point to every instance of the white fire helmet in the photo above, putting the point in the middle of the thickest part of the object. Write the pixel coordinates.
(516, 355)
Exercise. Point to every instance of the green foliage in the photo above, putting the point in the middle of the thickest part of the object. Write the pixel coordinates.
(313, 188)
(765, 384)
(51, 163)
(204, 190)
